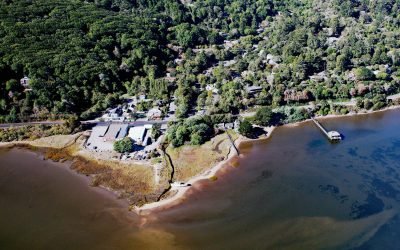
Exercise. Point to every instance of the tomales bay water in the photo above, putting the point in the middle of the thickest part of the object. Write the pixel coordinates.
(293, 191)
(44, 205)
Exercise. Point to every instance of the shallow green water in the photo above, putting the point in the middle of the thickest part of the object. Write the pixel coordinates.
(293, 191)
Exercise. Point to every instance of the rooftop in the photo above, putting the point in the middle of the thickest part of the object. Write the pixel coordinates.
(137, 133)
(334, 135)
(252, 89)
(96, 139)
(116, 131)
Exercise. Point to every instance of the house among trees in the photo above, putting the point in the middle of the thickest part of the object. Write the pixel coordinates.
(253, 90)
(298, 96)
(228, 125)
(320, 77)
(25, 82)
(272, 60)
(114, 115)
(393, 98)
(230, 44)
(211, 87)
(154, 114)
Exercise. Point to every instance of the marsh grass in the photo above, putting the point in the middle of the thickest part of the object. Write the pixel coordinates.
(190, 161)
(130, 181)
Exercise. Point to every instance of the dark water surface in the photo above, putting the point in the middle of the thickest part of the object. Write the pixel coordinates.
(44, 205)
(293, 191)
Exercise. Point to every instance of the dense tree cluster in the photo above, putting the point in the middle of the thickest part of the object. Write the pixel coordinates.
(195, 131)
(82, 56)
(79, 56)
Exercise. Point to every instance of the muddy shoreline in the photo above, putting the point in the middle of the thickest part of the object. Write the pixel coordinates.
(100, 174)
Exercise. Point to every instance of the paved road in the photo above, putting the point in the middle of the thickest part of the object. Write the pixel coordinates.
(135, 123)
(21, 124)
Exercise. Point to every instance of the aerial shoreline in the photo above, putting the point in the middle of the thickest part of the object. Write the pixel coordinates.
(179, 197)
(210, 173)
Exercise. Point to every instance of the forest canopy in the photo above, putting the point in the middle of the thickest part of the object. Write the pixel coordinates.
(81, 56)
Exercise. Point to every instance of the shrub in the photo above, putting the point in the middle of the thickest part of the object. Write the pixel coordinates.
(245, 128)
(124, 146)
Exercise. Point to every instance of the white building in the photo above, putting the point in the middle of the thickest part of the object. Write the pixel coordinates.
(172, 108)
(138, 134)
(25, 81)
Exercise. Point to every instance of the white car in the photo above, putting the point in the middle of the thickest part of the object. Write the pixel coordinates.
(180, 184)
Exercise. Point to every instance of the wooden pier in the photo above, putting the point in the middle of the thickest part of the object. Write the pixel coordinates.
(332, 135)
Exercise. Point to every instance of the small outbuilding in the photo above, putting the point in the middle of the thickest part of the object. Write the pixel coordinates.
(334, 135)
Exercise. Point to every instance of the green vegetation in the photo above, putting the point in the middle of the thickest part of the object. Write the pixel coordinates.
(264, 116)
(124, 146)
(156, 131)
(245, 128)
(364, 74)
(81, 56)
(32, 132)
(196, 131)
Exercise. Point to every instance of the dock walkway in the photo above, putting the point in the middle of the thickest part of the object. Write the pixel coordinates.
(332, 135)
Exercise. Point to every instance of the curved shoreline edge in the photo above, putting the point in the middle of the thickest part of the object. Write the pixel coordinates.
(178, 197)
